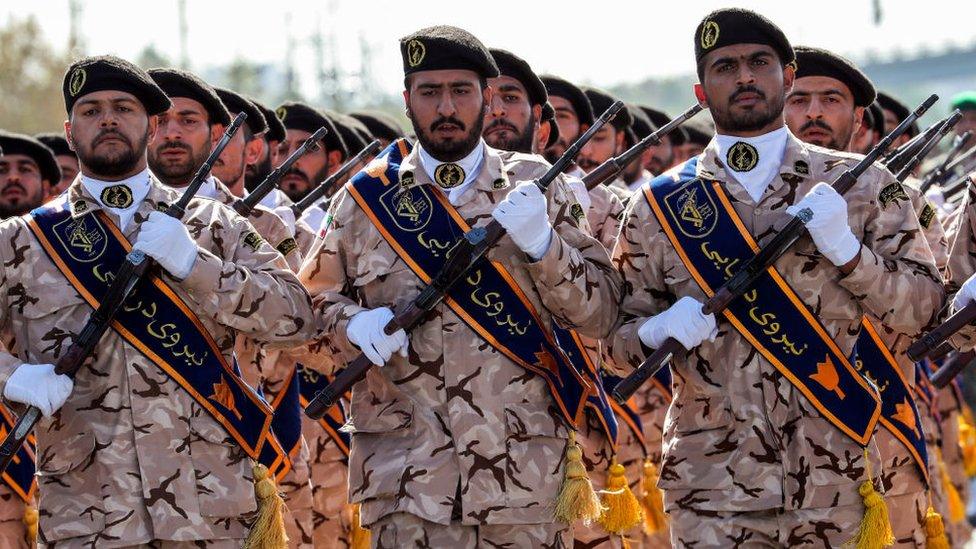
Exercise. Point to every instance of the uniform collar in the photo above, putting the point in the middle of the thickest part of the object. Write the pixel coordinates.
(490, 177)
(81, 202)
(794, 165)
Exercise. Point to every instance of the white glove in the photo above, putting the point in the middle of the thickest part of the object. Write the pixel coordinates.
(683, 321)
(166, 240)
(828, 227)
(365, 330)
(966, 294)
(38, 385)
(523, 214)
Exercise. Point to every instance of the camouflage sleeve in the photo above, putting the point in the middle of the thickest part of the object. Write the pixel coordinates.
(962, 263)
(324, 274)
(13, 237)
(896, 279)
(611, 227)
(276, 232)
(245, 284)
(575, 279)
(637, 257)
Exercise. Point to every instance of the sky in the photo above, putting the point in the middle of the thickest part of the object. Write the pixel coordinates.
(600, 42)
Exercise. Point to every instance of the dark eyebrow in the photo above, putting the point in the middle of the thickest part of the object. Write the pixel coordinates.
(189, 112)
(510, 88)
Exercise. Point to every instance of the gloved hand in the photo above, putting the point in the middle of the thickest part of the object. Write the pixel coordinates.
(38, 385)
(683, 321)
(166, 240)
(365, 330)
(523, 214)
(828, 227)
(966, 294)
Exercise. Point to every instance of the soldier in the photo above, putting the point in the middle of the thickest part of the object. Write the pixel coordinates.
(516, 106)
(610, 141)
(768, 438)
(457, 440)
(636, 175)
(548, 132)
(573, 114)
(381, 125)
(699, 130)
(247, 146)
(830, 96)
(894, 112)
(28, 170)
(662, 155)
(134, 451)
(67, 160)
(255, 173)
(870, 131)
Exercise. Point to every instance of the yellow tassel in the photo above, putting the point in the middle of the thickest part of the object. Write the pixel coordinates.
(358, 535)
(935, 536)
(577, 500)
(30, 523)
(957, 509)
(653, 500)
(967, 443)
(874, 531)
(621, 510)
(268, 530)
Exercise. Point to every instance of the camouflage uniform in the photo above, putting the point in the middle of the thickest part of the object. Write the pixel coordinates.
(131, 457)
(739, 439)
(604, 215)
(619, 188)
(456, 434)
(13, 533)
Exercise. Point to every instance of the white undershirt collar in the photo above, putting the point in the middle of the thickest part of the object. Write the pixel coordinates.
(471, 164)
(132, 190)
(753, 161)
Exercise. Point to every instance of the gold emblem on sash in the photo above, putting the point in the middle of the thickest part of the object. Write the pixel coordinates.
(449, 175)
(84, 241)
(117, 196)
(77, 82)
(409, 208)
(415, 52)
(742, 157)
(692, 209)
(709, 34)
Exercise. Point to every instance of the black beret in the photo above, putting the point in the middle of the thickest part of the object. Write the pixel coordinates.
(601, 101)
(901, 111)
(700, 130)
(730, 26)
(678, 136)
(874, 116)
(17, 143)
(299, 116)
(347, 126)
(379, 124)
(445, 47)
(56, 142)
(515, 67)
(820, 62)
(549, 115)
(642, 124)
(237, 103)
(276, 130)
(336, 138)
(560, 87)
(107, 72)
(181, 83)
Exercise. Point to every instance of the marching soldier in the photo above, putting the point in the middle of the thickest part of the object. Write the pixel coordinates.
(635, 174)
(28, 172)
(662, 155)
(870, 131)
(548, 133)
(829, 98)
(149, 444)
(768, 438)
(457, 438)
(381, 125)
(66, 158)
(247, 145)
(894, 112)
(610, 141)
(699, 130)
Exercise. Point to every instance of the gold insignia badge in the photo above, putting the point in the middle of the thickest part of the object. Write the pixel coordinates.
(891, 194)
(926, 215)
(801, 167)
(281, 113)
(415, 52)
(286, 246)
(77, 81)
(576, 210)
(449, 175)
(117, 196)
(253, 240)
(80, 206)
(709, 34)
(742, 157)
(499, 184)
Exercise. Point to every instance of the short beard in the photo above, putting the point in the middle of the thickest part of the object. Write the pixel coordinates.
(521, 142)
(113, 166)
(178, 175)
(256, 173)
(22, 207)
(450, 151)
(753, 120)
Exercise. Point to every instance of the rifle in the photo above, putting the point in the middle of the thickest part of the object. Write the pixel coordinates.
(245, 206)
(614, 165)
(131, 272)
(897, 159)
(465, 255)
(941, 132)
(743, 278)
(939, 173)
(955, 364)
(325, 186)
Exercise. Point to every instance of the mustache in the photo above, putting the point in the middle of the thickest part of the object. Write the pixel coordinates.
(816, 123)
(447, 120)
(298, 173)
(746, 89)
(15, 185)
(586, 163)
(501, 123)
(105, 134)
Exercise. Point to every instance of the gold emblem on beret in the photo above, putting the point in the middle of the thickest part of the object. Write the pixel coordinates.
(709, 34)
(449, 175)
(77, 81)
(415, 52)
(280, 113)
(117, 196)
(742, 157)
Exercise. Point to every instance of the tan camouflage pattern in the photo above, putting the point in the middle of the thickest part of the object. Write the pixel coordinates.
(949, 410)
(405, 530)
(456, 432)
(738, 437)
(130, 457)
(269, 226)
(13, 532)
(619, 187)
(935, 233)
(961, 233)
(604, 215)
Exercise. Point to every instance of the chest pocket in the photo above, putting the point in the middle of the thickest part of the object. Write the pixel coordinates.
(49, 314)
(380, 278)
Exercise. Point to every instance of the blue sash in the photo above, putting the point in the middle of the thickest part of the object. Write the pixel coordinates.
(898, 411)
(286, 426)
(597, 402)
(88, 250)
(19, 475)
(421, 226)
(712, 242)
(311, 383)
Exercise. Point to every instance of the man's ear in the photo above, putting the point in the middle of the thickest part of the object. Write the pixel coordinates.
(789, 75)
(700, 95)
(254, 151)
(216, 131)
(67, 134)
(334, 161)
(153, 125)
